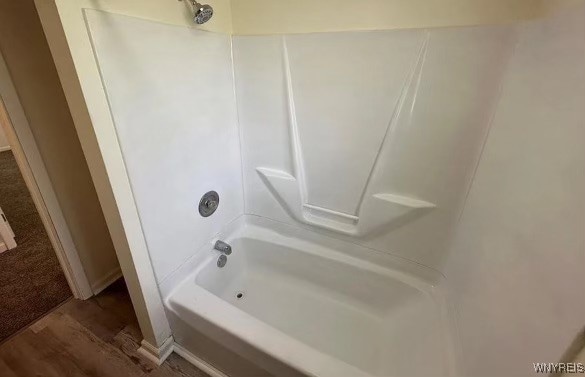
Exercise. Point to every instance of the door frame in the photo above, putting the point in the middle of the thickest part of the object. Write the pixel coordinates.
(30, 163)
(7, 241)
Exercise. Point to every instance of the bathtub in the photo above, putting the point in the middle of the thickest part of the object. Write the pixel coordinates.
(293, 302)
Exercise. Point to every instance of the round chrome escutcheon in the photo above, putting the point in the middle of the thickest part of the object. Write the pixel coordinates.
(208, 203)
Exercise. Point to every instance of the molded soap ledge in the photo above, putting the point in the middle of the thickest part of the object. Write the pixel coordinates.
(378, 210)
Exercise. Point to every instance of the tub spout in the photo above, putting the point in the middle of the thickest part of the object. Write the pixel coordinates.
(222, 247)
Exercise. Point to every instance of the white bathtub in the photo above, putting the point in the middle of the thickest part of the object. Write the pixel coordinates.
(291, 300)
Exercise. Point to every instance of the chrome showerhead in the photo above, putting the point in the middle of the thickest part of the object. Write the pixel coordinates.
(203, 13)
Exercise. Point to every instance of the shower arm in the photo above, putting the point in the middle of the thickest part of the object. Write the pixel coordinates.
(193, 4)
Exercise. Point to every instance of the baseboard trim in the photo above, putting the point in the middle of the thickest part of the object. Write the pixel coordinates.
(157, 354)
(4, 149)
(199, 363)
(105, 281)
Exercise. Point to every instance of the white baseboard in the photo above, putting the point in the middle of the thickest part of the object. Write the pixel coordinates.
(106, 280)
(199, 363)
(157, 354)
(5, 148)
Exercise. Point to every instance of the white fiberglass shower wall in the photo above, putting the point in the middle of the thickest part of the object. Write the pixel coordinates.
(371, 136)
(515, 269)
(160, 81)
(458, 149)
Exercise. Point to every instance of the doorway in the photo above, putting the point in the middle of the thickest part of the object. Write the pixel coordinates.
(32, 282)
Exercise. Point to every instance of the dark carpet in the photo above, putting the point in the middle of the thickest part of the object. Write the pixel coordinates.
(31, 280)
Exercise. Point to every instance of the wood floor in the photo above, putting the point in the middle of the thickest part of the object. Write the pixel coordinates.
(97, 337)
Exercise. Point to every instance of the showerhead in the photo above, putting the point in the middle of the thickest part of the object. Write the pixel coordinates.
(203, 13)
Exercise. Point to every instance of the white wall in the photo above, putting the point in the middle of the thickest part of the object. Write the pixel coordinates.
(246, 17)
(171, 94)
(171, 13)
(516, 269)
(396, 112)
(254, 17)
(3, 141)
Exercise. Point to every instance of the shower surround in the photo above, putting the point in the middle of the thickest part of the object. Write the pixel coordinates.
(343, 162)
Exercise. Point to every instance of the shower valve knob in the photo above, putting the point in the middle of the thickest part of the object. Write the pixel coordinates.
(208, 203)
